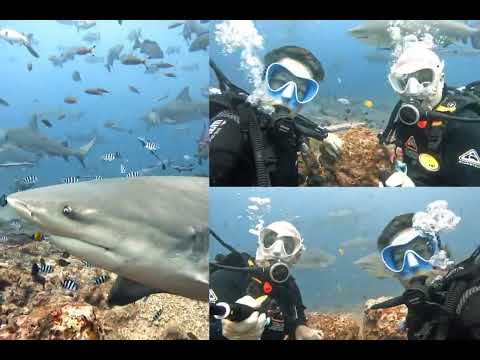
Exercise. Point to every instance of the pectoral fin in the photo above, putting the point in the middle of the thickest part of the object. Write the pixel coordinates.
(125, 291)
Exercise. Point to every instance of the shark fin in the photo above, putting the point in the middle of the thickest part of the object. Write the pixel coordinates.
(33, 124)
(125, 291)
(83, 151)
(31, 51)
(184, 94)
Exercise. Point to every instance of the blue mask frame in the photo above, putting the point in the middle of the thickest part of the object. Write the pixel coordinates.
(311, 91)
(387, 256)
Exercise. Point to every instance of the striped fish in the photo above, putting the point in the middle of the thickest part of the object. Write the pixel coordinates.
(133, 174)
(98, 177)
(157, 315)
(70, 284)
(101, 279)
(44, 268)
(111, 156)
(148, 144)
(71, 179)
(3, 238)
(30, 180)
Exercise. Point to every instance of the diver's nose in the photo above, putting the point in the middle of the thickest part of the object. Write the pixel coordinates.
(413, 86)
(412, 260)
(287, 93)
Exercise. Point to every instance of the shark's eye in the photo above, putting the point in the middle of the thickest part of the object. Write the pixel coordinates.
(67, 210)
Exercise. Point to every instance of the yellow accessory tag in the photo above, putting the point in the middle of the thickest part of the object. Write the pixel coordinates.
(436, 123)
(428, 162)
(452, 107)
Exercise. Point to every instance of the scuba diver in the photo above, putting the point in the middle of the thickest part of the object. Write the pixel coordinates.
(258, 298)
(443, 299)
(437, 127)
(249, 147)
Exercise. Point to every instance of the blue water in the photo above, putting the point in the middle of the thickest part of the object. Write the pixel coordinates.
(327, 217)
(342, 57)
(51, 84)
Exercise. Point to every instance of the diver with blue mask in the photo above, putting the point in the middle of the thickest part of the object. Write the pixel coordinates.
(250, 147)
(443, 298)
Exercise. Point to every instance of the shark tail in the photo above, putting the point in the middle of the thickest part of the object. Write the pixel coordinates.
(31, 50)
(475, 38)
(83, 151)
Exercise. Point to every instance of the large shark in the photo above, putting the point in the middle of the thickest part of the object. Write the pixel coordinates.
(30, 139)
(152, 231)
(11, 154)
(180, 110)
(377, 32)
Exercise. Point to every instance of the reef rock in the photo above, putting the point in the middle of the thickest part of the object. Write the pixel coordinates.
(384, 324)
(363, 161)
(335, 326)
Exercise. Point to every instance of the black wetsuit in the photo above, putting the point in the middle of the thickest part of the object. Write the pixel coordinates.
(444, 153)
(229, 286)
(460, 296)
(231, 153)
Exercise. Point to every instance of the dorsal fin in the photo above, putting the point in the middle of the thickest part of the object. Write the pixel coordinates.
(184, 94)
(33, 125)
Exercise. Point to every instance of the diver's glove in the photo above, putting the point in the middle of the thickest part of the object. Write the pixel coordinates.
(398, 179)
(248, 329)
(303, 332)
(333, 145)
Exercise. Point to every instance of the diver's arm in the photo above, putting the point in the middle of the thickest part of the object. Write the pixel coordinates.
(225, 148)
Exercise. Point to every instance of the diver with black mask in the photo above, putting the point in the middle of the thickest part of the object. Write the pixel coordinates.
(443, 299)
(257, 298)
(437, 127)
(250, 147)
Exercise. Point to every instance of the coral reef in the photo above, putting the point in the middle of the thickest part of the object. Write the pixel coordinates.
(362, 163)
(341, 326)
(384, 324)
(38, 307)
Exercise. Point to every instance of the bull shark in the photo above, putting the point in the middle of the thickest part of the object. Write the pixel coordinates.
(180, 110)
(10, 154)
(14, 37)
(154, 236)
(30, 139)
(193, 27)
(445, 32)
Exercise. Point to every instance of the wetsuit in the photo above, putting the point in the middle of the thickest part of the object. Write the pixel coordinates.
(460, 295)
(440, 152)
(229, 286)
(232, 156)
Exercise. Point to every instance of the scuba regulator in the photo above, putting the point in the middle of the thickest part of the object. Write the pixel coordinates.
(282, 122)
(412, 113)
(441, 298)
(267, 285)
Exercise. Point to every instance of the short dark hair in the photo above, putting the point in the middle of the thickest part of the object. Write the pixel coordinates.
(396, 225)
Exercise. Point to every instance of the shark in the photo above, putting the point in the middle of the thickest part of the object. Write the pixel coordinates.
(445, 32)
(179, 110)
(29, 139)
(14, 37)
(154, 236)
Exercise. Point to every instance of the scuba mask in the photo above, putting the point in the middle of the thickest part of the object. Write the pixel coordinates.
(411, 251)
(291, 89)
(278, 245)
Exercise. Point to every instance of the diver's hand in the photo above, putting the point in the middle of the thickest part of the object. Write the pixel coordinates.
(248, 329)
(303, 332)
(398, 179)
(333, 145)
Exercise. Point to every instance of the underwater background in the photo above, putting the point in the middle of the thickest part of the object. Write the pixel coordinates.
(43, 89)
(329, 218)
(353, 70)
